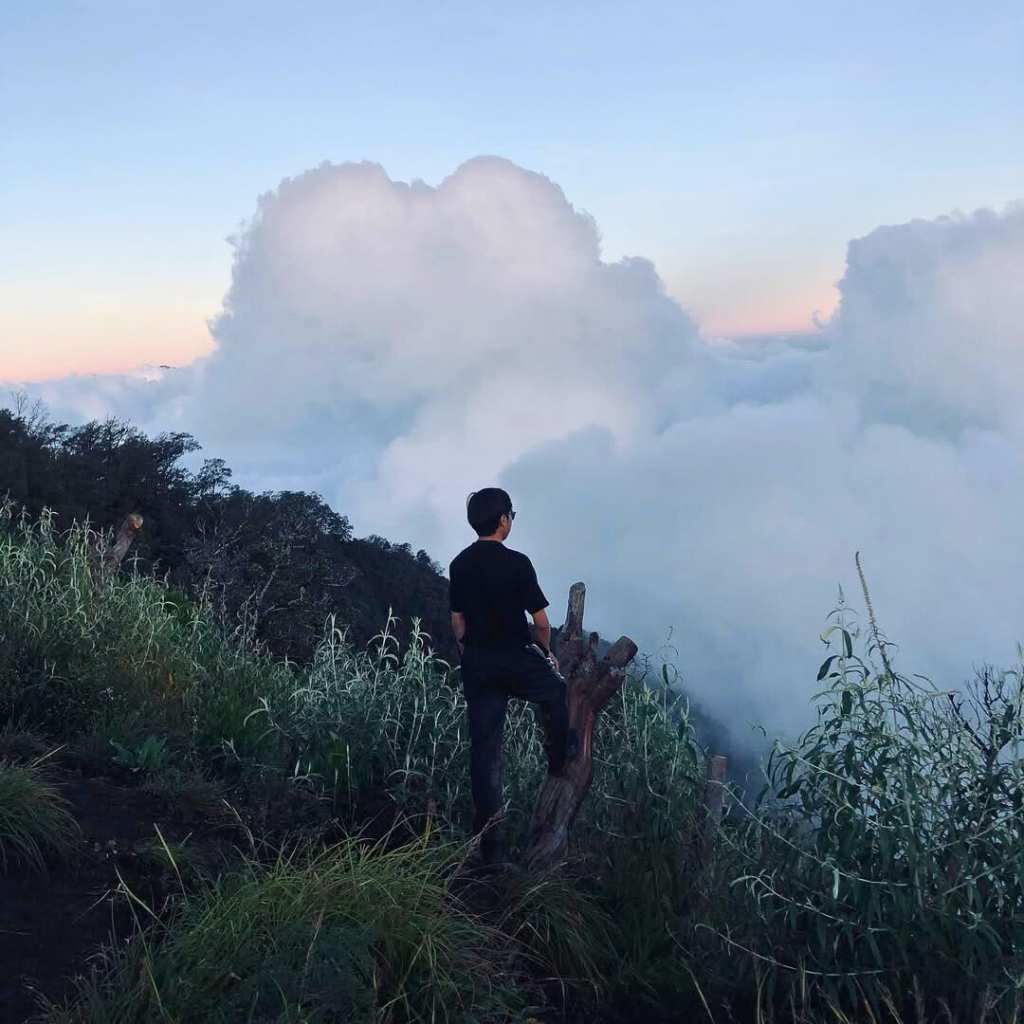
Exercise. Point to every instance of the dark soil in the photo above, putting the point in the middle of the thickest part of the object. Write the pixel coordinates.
(50, 925)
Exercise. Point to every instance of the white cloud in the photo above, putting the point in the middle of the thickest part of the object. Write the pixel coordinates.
(395, 346)
(931, 320)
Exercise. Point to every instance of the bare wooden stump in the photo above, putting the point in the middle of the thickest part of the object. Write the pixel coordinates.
(590, 684)
(103, 564)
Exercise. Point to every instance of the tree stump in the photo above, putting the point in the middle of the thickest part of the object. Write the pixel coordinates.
(126, 535)
(590, 684)
(104, 562)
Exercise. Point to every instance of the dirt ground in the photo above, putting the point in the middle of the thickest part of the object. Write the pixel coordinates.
(50, 925)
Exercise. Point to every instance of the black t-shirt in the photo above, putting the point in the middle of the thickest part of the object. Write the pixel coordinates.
(493, 586)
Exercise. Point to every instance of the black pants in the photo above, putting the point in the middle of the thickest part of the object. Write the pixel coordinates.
(489, 678)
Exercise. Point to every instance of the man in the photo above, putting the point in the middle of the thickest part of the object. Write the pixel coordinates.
(492, 587)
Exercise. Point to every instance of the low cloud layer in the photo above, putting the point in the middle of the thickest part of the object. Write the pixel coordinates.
(395, 346)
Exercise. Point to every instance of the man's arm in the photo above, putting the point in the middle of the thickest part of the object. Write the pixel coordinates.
(456, 606)
(542, 634)
(536, 604)
(542, 628)
(459, 629)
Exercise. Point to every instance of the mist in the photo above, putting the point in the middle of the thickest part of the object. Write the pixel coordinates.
(394, 346)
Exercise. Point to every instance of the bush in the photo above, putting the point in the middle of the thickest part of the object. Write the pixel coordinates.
(884, 861)
(119, 661)
(349, 933)
(35, 823)
(148, 758)
(377, 719)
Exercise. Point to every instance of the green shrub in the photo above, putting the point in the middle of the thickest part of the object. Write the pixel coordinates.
(122, 664)
(35, 823)
(149, 757)
(380, 719)
(119, 660)
(886, 853)
(353, 932)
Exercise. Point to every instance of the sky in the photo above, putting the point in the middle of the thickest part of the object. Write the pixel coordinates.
(721, 297)
(737, 145)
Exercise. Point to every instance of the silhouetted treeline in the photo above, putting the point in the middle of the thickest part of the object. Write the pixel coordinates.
(280, 561)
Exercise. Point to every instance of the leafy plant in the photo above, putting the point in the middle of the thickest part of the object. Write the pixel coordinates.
(148, 758)
(886, 853)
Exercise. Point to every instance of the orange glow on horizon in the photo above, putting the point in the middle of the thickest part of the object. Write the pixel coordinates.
(93, 334)
(757, 306)
(782, 320)
(99, 341)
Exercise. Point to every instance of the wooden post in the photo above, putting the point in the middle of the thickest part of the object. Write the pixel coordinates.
(114, 555)
(714, 801)
(590, 684)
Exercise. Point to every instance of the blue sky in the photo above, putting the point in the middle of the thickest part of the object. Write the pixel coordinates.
(739, 145)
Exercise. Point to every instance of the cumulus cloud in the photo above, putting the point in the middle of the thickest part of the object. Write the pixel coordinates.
(395, 346)
(929, 328)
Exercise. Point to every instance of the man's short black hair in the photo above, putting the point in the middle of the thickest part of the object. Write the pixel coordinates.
(485, 508)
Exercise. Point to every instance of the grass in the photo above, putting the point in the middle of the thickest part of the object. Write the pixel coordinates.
(35, 823)
(352, 932)
(879, 875)
(563, 930)
(120, 662)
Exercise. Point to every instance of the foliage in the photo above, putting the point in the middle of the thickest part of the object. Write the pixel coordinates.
(885, 853)
(21, 745)
(878, 873)
(352, 932)
(150, 756)
(390, 719)
(121, 661)
(564, 931)
(35, 822)
(278, 562)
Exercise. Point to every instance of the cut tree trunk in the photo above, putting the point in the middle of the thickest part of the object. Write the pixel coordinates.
(590, 685)
(110, 560)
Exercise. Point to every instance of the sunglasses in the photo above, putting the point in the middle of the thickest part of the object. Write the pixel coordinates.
(511, 513)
